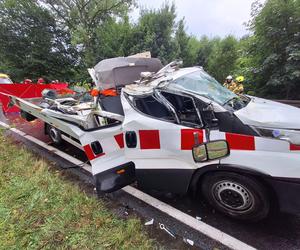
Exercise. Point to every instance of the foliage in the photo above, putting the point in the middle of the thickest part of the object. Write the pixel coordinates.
(41, 209)
(83, 18)
(154, 32)
(61, 39)
(223, 58)
(32, 45)
(275, 50)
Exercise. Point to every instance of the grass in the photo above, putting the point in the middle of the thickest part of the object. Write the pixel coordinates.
(41, 210)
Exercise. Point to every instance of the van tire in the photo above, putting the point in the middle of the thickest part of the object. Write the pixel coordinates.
(28, 117)
(55, 135)
(237, 196)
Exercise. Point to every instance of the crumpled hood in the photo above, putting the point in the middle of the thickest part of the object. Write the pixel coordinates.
(269, 114)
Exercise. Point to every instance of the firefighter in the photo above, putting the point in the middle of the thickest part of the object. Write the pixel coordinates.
(27, 81)
(239, 89)
(229, 83)
(41, 81)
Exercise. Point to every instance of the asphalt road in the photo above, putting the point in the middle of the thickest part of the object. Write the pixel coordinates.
(279, 231)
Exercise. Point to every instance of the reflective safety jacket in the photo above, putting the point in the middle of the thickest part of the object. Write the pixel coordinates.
(236, 88)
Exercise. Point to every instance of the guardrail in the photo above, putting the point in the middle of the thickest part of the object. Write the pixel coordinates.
(295, 103)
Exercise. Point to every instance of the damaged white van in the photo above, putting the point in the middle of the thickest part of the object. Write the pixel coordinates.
(179, 130)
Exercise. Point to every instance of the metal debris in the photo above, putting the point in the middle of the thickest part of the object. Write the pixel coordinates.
(162, 227)
(198, 218)
(188, 241)
(150, 222)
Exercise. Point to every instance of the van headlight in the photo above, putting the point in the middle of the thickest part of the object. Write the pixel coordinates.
(290, 135)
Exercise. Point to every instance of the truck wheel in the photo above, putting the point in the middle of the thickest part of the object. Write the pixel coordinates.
(235, 195)
(28, 117)
(55, 135)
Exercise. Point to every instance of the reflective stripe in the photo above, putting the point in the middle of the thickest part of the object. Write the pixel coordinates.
(294, 147)
(187, 138)
(89, 152)
(240, 142)
(120, 140)
(149, 139)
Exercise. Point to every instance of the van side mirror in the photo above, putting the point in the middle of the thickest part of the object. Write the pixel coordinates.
(212, 150)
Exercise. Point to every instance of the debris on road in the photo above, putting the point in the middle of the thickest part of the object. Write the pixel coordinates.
(198, 218)
(162, 227)
(188, 241)
(150, 222)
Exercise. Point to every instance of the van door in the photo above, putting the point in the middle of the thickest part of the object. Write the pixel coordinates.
(104, 148)
(159, 145)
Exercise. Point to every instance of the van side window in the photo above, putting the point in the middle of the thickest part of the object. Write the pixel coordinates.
(150, 106)
(185, 109)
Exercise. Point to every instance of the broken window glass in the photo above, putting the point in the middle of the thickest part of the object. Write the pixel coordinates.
(152, 107)
(185, 109)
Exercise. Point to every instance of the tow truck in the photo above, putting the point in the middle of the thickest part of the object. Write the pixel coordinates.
(178, 130)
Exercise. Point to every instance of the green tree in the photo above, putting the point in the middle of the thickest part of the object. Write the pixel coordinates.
(155, 32)
(207, 46)
(32, 45)
(222, 60)
(276, 48)
(182, 41)
(84, 19)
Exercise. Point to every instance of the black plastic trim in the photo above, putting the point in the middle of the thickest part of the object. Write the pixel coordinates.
(109, 180)
(131, 139)
(169, 180)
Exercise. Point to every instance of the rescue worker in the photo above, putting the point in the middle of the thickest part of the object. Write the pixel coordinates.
(27, 81)
(239, 89)
(41, 81)
(229, 83)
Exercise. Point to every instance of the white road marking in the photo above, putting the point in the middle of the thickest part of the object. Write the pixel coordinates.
(184, 218)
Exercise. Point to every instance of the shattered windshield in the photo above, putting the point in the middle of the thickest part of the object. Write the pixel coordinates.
(203, 84)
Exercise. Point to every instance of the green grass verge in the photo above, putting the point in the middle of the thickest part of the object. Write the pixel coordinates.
(41, 210)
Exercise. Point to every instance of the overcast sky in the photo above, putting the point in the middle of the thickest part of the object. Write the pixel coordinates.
(208, 17)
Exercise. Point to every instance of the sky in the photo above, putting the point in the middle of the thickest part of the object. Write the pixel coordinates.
(208, 17)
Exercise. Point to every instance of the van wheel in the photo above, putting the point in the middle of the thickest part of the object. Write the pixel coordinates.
(235, 195)
(55, 135)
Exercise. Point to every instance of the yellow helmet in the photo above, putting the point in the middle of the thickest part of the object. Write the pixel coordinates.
(240, 79)
(3, 75)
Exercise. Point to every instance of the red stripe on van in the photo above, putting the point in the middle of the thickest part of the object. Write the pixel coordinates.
(89, 152)
(187, 138)
(240, 142)
(149, 139)
(120, 140)
(294, 147)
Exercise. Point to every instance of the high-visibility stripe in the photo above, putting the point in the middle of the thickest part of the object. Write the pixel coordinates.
(294, 147)
(240, 142)
(120, 140)
(89, 152)
(149, 139)
(188, 140)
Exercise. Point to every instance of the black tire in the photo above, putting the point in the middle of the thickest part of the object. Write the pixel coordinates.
(55, 135)
(237, 196)
(28, 117)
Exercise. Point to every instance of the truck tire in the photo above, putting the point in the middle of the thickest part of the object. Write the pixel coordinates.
(55, 135)
(28, 117)
(237, 196)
